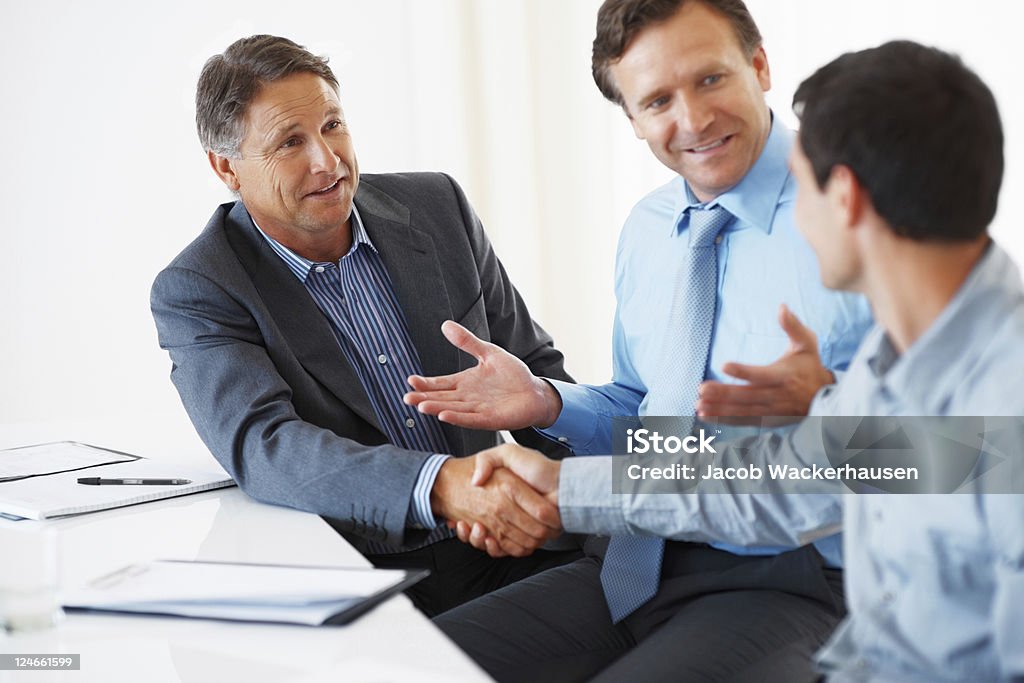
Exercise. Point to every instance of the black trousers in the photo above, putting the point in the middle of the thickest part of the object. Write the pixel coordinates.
(460, 573)
(716, 617)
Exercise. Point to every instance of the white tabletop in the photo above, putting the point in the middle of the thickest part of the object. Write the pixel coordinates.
(392, 643)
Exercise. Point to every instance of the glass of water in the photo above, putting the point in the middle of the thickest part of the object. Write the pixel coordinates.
(28, 577)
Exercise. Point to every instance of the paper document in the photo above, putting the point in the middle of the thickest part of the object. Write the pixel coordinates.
(246, 592)
(51, 458)
(60, 494)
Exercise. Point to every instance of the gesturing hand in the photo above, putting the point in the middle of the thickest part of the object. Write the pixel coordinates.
(784, 388)
(518, 518)
(531, 466)
(499, 392)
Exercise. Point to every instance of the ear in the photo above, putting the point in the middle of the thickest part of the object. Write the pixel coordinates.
(225, 170)
(760, 64)
(847, 195)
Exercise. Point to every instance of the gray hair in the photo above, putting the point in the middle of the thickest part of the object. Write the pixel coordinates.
(230, 81)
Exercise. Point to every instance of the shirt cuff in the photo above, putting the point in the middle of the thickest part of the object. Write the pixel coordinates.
(585, 499)
(575, 426)
(420, 515)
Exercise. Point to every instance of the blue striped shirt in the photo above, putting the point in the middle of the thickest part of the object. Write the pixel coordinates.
(356, 296)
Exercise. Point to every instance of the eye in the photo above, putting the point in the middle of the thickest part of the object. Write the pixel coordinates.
(336, 124)
(658, 102)
(290, 142)
(712, 79)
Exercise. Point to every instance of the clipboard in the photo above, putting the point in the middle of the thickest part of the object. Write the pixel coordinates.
(242, 592)
(41, 481)
(56, 457)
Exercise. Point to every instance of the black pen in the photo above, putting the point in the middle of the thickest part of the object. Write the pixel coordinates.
(96, 481)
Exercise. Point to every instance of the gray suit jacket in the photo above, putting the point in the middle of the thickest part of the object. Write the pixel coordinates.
(267, 386)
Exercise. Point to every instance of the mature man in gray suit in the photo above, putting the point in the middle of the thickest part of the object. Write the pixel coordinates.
(295, 318)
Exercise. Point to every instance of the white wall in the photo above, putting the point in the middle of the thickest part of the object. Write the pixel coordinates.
(102, 179)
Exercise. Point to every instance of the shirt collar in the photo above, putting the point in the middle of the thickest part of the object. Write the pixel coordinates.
(300, 265)
(755, 198)
(936, 362)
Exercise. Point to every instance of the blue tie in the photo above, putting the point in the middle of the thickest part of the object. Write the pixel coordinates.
(632, 565)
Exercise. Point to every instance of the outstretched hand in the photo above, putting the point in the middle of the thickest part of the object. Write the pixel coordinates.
(783, 389)
(529, 465)
(499, 392)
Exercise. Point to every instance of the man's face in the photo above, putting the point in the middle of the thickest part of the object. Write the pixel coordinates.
(298, 173)
(820, 217)
(693, 95)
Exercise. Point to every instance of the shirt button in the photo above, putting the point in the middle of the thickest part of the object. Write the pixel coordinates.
(319, 269)
(888, 597)
(382, 359)
(879, 516)
(410, 423)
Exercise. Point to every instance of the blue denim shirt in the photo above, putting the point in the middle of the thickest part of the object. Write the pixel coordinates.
(934, 583)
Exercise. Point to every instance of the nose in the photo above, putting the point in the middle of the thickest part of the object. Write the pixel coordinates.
(322, 157)
(692, 114)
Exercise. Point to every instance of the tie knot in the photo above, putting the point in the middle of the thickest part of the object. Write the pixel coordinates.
(705, 224)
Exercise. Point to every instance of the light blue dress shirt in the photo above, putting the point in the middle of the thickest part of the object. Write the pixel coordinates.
(763, 262)
(934, 583)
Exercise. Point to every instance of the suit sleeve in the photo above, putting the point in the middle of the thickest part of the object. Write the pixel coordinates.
(509, 321)
(243, 410)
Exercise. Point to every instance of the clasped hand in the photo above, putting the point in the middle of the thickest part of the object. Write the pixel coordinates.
(503, 501)
(492, 502)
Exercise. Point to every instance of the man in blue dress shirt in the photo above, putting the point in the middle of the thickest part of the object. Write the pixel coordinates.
(899, 164)
(691, 77)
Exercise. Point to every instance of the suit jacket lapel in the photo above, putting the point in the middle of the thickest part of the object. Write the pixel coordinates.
(415, 271)
(305, 329)
(411, 259)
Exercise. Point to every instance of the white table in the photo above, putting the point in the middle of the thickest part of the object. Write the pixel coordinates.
(392, 643)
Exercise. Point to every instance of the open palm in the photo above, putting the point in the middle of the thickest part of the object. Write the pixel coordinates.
(499, 392)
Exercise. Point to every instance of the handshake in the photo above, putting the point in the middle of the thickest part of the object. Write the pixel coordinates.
(503, 501)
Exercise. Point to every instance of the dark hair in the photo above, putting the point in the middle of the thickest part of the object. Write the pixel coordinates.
(920, 131)
(620, 21)
(230, 81)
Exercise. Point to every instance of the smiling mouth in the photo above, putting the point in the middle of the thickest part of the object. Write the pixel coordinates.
(327, 190)
(714, 145)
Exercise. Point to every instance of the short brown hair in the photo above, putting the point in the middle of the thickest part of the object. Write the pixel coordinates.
(230, 81)
(887, 114)
(620, 21)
